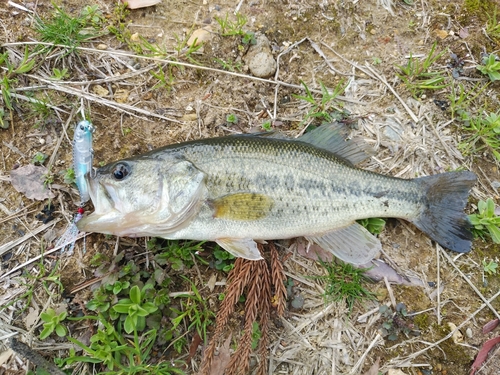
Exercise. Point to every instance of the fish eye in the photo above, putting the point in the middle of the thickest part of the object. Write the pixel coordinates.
(121, 171)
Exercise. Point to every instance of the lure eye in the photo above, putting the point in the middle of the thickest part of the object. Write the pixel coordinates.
(121, 171)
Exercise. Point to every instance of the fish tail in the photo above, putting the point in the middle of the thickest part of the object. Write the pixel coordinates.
(443, 218)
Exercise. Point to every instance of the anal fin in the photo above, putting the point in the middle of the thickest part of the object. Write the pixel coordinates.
(352, 244)
(241, 248)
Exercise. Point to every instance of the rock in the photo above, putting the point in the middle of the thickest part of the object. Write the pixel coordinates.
(200, 36)
(262, 65)
(259, 57)
(102, 46)
(136, 4)
(100, 90)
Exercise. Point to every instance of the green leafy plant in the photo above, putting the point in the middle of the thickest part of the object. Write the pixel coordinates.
(418, 76)
(232, 119)
(165, 80)
(267, 126)
(178, 254)
(135, 309)
(373, 225)
(39, 158)
(229, 64)
(53, 323)
(396, 322)
(486, 222)
(343, 281)
(322, 107)
(67, 30)
(195, 310)
(229, 28)
(8, 79)
(224, 261)
(491, 67)
(60, 73)
(484, 133)
(69, 176)
(490, 267)
(248, 38)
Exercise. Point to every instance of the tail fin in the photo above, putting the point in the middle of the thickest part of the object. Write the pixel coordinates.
(442, 218)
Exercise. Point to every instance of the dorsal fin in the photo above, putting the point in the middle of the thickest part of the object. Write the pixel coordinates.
(334, 137)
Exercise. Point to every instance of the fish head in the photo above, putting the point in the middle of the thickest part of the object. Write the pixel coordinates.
(143, 196)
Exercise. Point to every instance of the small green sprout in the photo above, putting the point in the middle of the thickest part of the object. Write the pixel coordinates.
(53, 323)
(394, 323)
(486, 222)
(267, 126)
(60, 74)
(232, 119)
(39, 158)
(69, 176)
(491, 67)
(490, 267)
(249, 38)
(373, 225)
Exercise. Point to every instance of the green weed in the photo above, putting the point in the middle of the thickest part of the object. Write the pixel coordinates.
(493, 25)
(229, 65)
(490, 267)
(230, 28)
(321, 108)
(418, 76)
(185, 50)
(491, 67)
(69, 176)
(373, 225)
(486, 223)
(67, 30)
(195, 310)
(344, 282)
(39, 158)
(165, 81)
(396, 322)
(224, 261)
(484, 133)
(177, 254)
(135, 309)
(231, 119)
(53, 323)
(461, 98)
(60, 74)
(8, 80)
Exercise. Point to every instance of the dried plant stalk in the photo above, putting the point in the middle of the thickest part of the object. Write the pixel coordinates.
(237, 280)
(278, 279)
(264, 311)
(239, 363)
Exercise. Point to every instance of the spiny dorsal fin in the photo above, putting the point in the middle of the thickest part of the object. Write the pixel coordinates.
(335, 138)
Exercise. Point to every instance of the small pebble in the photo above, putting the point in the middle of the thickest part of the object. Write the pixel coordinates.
(102, 46)
(468, 332)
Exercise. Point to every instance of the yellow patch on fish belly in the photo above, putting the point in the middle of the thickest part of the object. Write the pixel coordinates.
(242, 206)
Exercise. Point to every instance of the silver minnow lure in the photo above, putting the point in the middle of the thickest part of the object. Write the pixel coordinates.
(83, 155)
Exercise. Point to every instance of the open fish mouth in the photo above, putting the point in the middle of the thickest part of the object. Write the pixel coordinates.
(105, 211)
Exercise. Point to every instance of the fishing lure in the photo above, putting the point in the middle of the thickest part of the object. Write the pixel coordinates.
(83, 156)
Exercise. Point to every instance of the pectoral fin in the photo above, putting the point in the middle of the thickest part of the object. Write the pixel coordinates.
(241, 248)
(242, 206)
(352, 244)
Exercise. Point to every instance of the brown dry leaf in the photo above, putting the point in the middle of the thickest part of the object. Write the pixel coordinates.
(441, 34)
(374, 369)
(32, 317)
(28, 180)
(490, 326)
(483, 354)
(220, 362)
(463, 33)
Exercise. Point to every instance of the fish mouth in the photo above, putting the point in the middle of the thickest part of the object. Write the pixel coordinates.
(106, 216)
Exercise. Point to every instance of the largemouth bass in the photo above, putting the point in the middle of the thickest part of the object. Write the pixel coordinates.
(237, 190)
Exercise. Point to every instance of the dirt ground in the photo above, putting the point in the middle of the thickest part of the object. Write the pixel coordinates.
(355, 43)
